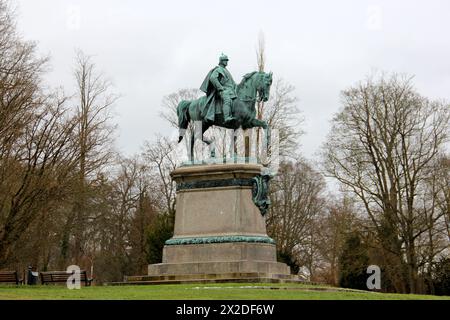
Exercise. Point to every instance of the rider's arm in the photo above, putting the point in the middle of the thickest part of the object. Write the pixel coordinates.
(215, 80)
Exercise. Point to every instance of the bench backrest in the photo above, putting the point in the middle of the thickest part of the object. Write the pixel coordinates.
(60, 276)
(9, 276)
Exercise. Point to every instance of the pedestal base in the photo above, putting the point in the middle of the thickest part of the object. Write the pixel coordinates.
(219, 258)
(219, 252)
(218, 267)
(219, 232)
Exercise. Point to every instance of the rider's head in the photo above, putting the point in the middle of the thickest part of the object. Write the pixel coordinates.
(223, 60)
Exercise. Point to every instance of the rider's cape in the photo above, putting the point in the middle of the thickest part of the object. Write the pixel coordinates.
(213, 100)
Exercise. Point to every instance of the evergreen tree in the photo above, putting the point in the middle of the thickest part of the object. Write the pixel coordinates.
(442, 277)
(157, 234)
(353, 263)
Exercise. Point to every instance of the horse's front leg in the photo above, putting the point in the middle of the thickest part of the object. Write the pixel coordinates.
(259, 123)
(192, 146)
(267, 134)
(233, 145)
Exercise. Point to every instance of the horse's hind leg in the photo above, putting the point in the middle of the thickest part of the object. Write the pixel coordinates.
(183, 118)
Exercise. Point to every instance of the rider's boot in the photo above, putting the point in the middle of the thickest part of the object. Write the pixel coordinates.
(227, 117)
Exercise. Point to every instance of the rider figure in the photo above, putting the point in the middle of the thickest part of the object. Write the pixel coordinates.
(219, 85)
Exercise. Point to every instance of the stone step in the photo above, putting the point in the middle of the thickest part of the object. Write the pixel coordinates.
(212, 276)
(205, 281)
(218, 267)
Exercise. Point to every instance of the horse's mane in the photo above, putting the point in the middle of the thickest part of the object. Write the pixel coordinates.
(245, 78)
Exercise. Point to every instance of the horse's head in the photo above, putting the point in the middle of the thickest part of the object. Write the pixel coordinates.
(253, 84)
(263, 86)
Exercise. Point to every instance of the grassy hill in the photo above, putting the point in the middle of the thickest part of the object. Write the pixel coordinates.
(202, 292)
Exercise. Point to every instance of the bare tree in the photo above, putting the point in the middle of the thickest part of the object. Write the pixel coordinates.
(261, 52)
(162, 158)
(20, 79)
(443, 190)
(296, 196)
(434, 206)
(331, 229)
(115, 239)
(37, 133)
(36, 172)
(261, 61)
(94, 139)
(381, 147)
(281, 112)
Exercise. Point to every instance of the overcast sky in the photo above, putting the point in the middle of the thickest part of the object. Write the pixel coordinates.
(151, 49)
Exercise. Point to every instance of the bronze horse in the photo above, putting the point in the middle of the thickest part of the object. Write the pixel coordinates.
(253, 85)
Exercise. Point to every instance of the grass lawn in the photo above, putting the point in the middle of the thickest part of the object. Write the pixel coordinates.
(200, 292)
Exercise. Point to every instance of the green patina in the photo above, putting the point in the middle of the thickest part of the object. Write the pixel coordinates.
(259, 185)
(219, 239)
(225, 104)
(260, 192)
(232, 160)
(215, 183)
(234, 103)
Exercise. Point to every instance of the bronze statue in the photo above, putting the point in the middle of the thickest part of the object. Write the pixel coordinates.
(220, 90)
(225, 104)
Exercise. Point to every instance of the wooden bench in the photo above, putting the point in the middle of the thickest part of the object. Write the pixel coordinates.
(62, 276)
(10, 277)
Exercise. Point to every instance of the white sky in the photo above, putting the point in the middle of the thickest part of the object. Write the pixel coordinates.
(151, 49)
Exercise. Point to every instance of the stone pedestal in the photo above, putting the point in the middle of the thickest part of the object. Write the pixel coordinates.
(218, 228)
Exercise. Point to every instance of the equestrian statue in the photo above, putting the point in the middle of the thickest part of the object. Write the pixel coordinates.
(225, 104)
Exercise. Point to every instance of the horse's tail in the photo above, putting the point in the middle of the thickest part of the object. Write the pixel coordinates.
(183, 114)
(183, 117)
